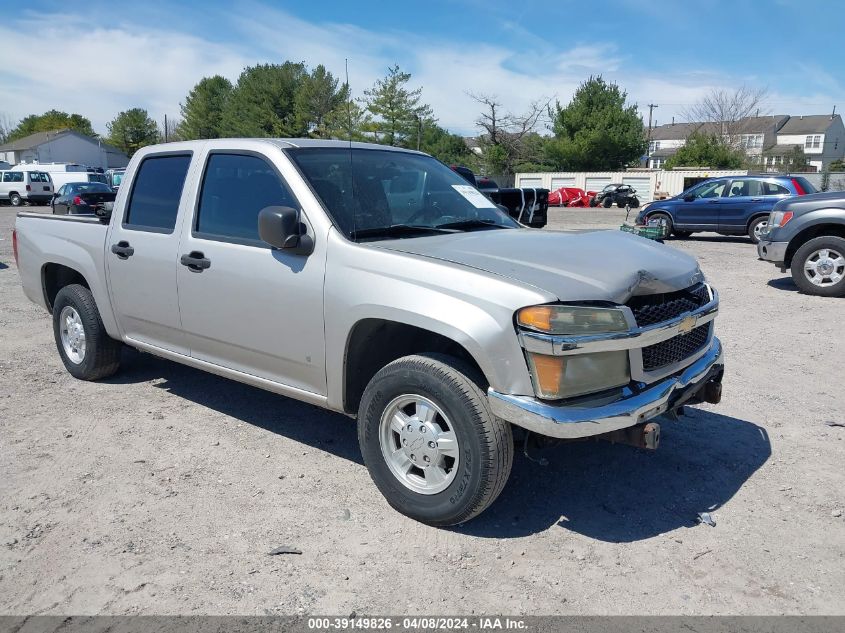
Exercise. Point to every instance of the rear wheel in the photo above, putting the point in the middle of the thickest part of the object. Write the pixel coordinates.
(634, 202)
(755, 229)
(607, 202)
(85, 347)
(818, 267)
(15, 200)
(430, 442)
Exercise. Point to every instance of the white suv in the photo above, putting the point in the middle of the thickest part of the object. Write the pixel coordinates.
(25, 186)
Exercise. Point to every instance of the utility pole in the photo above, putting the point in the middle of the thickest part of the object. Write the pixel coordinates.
(165, 128)
(651, 107)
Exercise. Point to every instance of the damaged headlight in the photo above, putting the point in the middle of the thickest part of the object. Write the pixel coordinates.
(572, 320)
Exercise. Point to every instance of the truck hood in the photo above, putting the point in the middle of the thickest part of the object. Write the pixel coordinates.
(590, 266)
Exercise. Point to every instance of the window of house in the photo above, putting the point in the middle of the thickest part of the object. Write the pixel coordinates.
(750, 141)
(234, 189)
(813, 141)
(156, 192)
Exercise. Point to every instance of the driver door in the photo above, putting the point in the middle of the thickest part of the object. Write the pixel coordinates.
(699, 209)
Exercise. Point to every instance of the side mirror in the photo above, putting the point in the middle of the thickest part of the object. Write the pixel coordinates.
(689, 197)
(281, 228)
(55, 195)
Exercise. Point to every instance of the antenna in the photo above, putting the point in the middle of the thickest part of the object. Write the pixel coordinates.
(349, 136)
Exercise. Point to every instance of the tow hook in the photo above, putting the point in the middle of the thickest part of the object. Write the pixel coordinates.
(712, 392)
(642, 436)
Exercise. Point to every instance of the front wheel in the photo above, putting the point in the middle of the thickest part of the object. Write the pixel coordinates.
(634, 202)
(85, 347)
(756, 228)
(818, 267)
(430, 442)
(607, 202)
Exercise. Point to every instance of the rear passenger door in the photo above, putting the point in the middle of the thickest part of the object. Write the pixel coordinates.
(141, 252)
(746, 198)
(250, 308)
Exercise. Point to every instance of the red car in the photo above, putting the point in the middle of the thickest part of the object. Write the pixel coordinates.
(570, 197)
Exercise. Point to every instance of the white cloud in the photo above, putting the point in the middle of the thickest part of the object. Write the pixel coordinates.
(112, 69)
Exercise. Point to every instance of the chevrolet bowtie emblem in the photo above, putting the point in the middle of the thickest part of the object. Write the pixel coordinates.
(687, 324)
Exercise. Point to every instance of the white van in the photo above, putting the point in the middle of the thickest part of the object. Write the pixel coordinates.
(32, 186)
(63, 173)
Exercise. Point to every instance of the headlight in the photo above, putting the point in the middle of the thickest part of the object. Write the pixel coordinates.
(575, 320)
(778, 219)
(557, 377)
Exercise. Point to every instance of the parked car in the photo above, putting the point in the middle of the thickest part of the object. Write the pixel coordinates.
(570, 197)
(620, 194)
(20, 187)
(732, 205)
(374, 281)
(83, 198)
(807, 236)
(528, 205)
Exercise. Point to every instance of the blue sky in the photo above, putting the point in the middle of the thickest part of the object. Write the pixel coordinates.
(100, 57)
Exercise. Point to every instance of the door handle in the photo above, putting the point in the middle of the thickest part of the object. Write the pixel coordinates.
(122, 250)
(195, 261)
(756, 199)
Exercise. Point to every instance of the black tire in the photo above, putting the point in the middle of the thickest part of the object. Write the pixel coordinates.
(594, 202)
(102, 353)
(485, 443)
(753, 227)
(607, 202)
(15, 200)
(806, 253)
(634, 202)
(682, 234)
(660, 215)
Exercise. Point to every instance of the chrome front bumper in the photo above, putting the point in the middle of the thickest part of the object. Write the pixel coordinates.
(594, 417)
(772, 251)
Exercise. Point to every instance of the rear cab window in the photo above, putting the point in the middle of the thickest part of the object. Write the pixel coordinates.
(156, 192)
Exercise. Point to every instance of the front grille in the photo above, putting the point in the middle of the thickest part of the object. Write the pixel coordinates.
(651, 309)
(675, 349)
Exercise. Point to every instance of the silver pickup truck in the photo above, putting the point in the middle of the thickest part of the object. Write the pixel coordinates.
(378, 283)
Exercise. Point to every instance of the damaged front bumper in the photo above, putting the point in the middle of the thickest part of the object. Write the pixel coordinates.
(637, 404)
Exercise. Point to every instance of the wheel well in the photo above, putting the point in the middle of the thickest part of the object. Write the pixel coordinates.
(837, 230)
(55, 277)
(374, 343)
(755, 217)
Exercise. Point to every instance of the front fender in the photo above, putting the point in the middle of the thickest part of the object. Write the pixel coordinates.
(470, 307)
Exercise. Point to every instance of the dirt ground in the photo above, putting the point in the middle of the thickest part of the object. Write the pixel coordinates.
(163, 489)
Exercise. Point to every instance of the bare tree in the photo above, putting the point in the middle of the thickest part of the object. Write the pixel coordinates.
(504, 131)
(723, 110)
(6, 127)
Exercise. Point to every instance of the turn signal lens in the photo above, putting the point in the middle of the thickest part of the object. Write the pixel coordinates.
(557, 377)
(575, 320)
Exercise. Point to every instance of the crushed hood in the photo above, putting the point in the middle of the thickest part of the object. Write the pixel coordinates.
(589, 266)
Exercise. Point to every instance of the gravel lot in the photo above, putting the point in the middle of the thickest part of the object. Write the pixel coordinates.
(162, 490)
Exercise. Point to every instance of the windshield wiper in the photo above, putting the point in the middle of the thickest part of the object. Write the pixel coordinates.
(398, 229)
(469, 225)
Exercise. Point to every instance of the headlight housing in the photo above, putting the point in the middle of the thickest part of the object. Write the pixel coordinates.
(778, 219)
(572, 320)
(567, 376)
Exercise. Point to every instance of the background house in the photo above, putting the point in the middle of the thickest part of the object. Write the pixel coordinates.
(63, 146)
(821, 136)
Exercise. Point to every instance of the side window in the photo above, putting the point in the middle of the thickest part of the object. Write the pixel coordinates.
(61, 190)
(745, 187)
(13, 176)
(772, 189)
(156, 191)
(6, 177)
(711, 189)
(235, 188)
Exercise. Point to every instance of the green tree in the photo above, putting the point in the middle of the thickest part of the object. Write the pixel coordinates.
(706, 150)
(348, 121)
(596, 131)
(133, 129)
(838, 165)
(794, 160)
(50, 121)
(262, 103)
(202, 112)
(397, 110)
(317, 97)
(439, 142)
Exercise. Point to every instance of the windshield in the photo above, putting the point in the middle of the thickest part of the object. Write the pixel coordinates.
(116, 178)
(367, 192)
